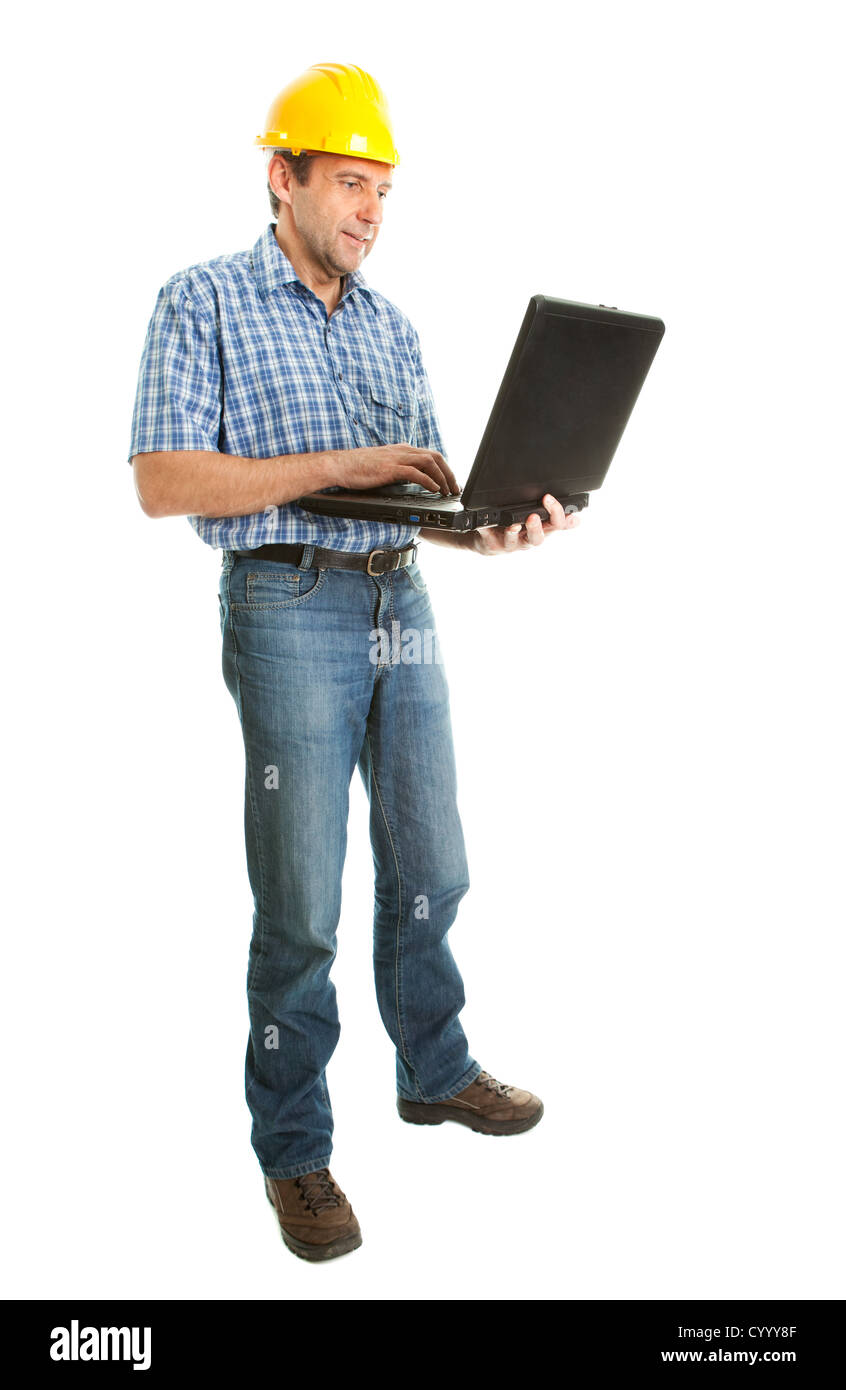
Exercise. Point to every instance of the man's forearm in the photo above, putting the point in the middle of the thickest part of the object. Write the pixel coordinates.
(195, 482)
(459, 540)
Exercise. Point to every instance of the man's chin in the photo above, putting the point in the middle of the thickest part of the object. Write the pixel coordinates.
(347, 266)
(355, 249)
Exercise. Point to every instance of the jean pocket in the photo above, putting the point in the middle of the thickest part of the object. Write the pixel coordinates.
(414, 575)
(277, 586)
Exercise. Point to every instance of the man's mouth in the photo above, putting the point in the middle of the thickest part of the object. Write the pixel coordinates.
(359, 240)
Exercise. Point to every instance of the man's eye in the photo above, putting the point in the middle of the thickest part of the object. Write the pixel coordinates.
(349, 183)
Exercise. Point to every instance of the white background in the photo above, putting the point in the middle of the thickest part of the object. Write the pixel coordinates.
(648, 711)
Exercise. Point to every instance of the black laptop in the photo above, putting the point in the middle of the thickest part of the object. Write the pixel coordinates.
(568, 391)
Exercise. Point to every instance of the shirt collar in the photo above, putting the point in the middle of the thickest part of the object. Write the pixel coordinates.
(272, 269)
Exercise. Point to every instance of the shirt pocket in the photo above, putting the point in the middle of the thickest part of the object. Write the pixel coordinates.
(392, 411)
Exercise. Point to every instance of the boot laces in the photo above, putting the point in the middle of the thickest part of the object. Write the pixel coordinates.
(318, 1191)
(499, 1087)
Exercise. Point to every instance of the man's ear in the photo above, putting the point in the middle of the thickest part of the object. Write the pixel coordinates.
(280, 178)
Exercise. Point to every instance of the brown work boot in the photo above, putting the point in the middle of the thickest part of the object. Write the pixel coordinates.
(316, 1220)
(486, 1105)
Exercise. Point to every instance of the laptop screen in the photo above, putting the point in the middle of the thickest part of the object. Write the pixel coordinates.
(566, 397)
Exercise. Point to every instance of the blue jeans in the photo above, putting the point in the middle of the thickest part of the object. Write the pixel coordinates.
(326, 674)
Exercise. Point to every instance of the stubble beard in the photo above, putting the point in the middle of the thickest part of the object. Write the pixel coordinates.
(322, 248)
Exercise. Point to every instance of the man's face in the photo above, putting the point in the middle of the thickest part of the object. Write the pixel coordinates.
(336, 216)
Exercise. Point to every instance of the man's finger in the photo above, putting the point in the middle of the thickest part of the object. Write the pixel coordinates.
(441, 472)
(451, 486)
(534, 529)
(556, 511)
(445, 475)
(429, 468)
(426, 480)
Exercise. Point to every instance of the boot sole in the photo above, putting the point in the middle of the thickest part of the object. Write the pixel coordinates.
(416, 1113)
(315, 1252)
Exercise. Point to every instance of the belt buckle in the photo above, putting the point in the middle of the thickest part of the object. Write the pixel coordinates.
(370, 561)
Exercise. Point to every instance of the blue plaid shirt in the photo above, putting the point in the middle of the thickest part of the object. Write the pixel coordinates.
(242, 358)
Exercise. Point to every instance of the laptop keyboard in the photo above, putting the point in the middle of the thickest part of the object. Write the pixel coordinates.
(404, 490)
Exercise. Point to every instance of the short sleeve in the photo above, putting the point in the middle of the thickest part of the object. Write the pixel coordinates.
(428, 432)
(178, 398)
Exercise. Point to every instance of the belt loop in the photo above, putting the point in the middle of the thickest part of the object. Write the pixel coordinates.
(306, 557)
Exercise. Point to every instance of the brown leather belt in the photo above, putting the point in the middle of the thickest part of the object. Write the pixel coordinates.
(374, 561)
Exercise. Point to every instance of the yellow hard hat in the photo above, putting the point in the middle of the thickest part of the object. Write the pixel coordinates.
(332, 107)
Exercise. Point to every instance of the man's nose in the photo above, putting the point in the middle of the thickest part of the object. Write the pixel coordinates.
(371, 208)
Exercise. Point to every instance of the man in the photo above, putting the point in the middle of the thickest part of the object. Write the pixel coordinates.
(266, 375)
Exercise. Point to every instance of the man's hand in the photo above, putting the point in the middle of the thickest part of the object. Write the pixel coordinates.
(504, 540)
(394, 463)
